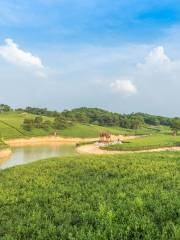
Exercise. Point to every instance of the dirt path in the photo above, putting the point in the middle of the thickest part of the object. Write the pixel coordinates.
(94, 149)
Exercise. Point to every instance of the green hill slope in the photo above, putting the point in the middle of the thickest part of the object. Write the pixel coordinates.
(11, 127)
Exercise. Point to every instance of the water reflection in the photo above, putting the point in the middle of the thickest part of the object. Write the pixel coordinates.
(27, 154)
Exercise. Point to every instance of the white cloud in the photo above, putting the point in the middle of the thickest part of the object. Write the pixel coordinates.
(157, 56)
(124, 86)
(11, 52)
(157, 65)
(156, 59)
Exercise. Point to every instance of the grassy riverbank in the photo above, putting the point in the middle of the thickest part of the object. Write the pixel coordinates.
(90, 197)
(146, 143)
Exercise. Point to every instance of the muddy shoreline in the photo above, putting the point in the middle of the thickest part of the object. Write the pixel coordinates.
(5, 153)
(45, 140)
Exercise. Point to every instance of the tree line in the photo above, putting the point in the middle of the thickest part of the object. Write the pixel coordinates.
(95, 116)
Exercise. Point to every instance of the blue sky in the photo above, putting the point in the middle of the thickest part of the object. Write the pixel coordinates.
(120, 55)
(79, 21)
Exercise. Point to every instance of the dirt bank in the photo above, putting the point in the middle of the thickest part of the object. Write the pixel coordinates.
(52, 139)
(94, 149)
(46, 140)
(4, 153)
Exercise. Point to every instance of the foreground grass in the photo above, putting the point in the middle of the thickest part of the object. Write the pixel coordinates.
(92, 197)
(145, 143)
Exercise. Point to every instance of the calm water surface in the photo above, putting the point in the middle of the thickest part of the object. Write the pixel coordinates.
(28, 154)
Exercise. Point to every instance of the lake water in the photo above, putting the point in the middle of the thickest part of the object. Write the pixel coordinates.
(28, 154)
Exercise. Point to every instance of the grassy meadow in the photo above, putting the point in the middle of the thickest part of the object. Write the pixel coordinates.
(146, 143)
(92, 197)
(90, 131)
(11, 127)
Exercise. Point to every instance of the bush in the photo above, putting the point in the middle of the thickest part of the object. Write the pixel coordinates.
(38, 122)
(61, 122)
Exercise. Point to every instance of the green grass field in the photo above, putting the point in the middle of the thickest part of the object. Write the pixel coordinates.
(11, 127)
(92, 197)
(89, 131)
(147, 142)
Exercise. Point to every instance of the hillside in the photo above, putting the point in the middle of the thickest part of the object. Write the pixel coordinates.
(11, 127)
(80, 122)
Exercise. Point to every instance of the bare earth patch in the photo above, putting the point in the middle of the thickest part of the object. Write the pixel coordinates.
(5, 153)
(46, 140)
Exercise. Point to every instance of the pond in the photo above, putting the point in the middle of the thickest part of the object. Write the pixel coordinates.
(28, 154)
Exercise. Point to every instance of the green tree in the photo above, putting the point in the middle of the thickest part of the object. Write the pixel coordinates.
(61, 122)
(136, 122)
(4, 108)
(175, 125)
(38, 122)
(28, 124)
(46, 124)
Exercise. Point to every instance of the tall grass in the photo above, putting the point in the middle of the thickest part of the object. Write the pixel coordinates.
(92, 197)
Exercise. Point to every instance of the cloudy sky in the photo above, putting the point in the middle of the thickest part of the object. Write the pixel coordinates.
(121, 55)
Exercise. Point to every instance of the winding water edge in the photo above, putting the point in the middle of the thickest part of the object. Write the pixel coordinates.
(5, 153)
(27, 154)
(34, 141)
(22, 151)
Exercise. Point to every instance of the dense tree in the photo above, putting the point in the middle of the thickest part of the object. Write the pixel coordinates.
(136, 122)
(38, 121)
(28, 124)
(175, 125)
(46, 124)
(4, 108)
(153, 120)
(61, 122)
(41, 111)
